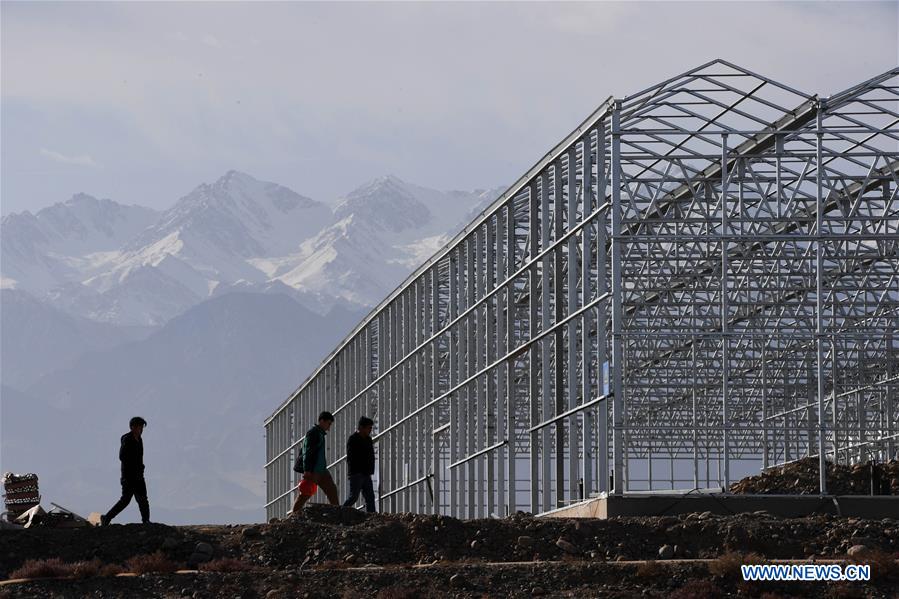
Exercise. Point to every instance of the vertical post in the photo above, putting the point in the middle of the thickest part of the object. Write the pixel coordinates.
(396, 446)
(574, 438)
(834, 399)
(587, 463)
(545, 355)
(695, 415)
(617, 312)
(481, 412)
(819, 291)
(534, 391)
(491, 422)
(497, 398)
(602, 311)
(471, 362)
(558, 349)
(890, 398)
(435, 387)
(860, 404)
(765, 405)
(421, 393)
(453, 437)
(511, 391)
(725, 341)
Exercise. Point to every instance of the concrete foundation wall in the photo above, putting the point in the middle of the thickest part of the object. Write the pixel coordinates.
(788, 506)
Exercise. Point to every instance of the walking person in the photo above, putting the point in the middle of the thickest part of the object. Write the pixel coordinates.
(314, 465)
(360, 459)
(131, 454)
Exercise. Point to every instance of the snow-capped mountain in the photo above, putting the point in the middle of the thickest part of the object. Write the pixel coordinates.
(203, 241)
(239, 216)
(236, 233)
(59, 243)
(384, 230)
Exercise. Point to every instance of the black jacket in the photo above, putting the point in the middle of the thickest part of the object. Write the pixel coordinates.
(131, 453)
(360, 455)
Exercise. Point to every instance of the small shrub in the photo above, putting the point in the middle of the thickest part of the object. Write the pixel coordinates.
(153, 562)
(226, 564)
(650, 570)
(697, 589)
(42, 568)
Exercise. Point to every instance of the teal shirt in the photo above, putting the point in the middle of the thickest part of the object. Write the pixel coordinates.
(314, 450)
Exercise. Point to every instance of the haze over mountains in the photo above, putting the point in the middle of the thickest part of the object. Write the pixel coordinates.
(201, 318)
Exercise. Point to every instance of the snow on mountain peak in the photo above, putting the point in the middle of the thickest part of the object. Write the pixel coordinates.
(241, 216)
(236, 228)
(386, 202)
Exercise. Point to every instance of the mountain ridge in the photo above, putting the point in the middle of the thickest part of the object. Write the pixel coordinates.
(241, 231)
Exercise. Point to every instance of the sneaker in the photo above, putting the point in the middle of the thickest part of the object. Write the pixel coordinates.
(104, 520)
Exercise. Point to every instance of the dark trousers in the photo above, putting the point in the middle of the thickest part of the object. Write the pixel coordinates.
(132, 487)
(361, 482)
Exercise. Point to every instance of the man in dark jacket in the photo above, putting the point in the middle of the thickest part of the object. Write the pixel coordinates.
(131, 454)
(360, 459)
(314, 465)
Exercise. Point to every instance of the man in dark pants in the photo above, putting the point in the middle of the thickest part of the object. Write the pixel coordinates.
(360, 458)
(131, 454)
(313, 464)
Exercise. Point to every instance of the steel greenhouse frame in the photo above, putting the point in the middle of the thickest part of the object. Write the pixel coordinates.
(701, 279)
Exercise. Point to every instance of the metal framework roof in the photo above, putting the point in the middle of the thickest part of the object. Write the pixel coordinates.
(701, 279)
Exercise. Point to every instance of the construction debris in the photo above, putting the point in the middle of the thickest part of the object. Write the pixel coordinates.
(31, 517)
(20, 492)
(801, 478)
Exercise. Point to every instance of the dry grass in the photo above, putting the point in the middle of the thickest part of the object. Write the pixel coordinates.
(87, 569)
(42, 568)
(884, 566)
(226, 564)
(153, 562)
(728, 564)
(697, 589)
(55, 568)
(111, 570)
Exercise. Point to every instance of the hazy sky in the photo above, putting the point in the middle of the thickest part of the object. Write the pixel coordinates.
(141, 102)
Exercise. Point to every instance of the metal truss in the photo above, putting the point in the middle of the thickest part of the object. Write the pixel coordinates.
(701, 278)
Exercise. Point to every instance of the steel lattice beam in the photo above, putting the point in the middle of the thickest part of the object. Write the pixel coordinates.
(702, 278)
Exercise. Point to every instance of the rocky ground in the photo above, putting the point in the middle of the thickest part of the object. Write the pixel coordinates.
(801, 477)
(337, 552)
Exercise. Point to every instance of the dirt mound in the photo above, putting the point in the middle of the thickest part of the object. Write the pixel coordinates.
(801, 478)
(346, 553)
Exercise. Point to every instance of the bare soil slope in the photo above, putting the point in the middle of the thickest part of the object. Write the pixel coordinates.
(337, 552)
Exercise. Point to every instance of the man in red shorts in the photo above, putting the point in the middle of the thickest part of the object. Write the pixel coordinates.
(314, 465)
